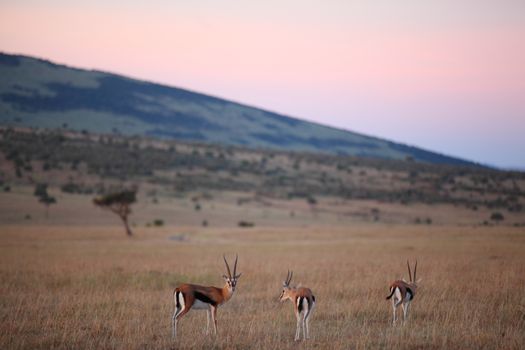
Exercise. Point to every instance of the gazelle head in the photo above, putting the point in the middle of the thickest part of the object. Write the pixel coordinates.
(413, 281)
(231, 280)
(285, 294)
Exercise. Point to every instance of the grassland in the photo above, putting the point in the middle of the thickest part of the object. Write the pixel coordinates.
(87, 286)
(71, 279)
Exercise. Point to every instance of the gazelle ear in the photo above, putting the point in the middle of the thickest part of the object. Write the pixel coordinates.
(239, 275)
(419, 280)
(225, 277)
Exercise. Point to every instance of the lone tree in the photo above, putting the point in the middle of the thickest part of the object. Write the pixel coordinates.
(119, 203)
(44, 197)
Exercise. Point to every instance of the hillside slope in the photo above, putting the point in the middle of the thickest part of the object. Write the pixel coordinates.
(39, 93)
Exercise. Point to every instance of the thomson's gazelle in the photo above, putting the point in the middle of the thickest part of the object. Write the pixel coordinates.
(304, 304)
(192, 296)
(403, 292)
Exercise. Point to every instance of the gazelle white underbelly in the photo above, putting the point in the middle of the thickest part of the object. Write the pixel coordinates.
(199, 305)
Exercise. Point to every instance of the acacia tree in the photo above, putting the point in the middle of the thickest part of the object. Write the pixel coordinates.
(118, 203)
(44, 197)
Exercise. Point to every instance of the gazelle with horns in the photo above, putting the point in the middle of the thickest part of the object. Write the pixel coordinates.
(192, 296)
(403, 292)
(304, 304)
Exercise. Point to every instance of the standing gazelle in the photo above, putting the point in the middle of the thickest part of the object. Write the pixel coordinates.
(188, 296)
(403, 293)
(304, 304)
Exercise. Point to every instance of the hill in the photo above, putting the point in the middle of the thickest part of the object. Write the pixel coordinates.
(86, 163)
(39, 93)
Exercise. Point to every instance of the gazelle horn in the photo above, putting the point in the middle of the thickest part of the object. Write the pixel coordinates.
(227, 266)
(409, 272)
(235, 266)
(415, 269)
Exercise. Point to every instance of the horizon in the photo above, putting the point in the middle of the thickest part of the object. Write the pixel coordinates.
(462, 69)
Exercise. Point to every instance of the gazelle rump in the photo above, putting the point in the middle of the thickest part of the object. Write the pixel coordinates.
(403, 292)
(304, 304)
(192, 296)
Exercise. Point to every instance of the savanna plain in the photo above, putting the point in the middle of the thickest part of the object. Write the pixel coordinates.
(72, 279)
(90, 287)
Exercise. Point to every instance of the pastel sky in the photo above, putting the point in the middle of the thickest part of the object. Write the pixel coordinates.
(445, 75)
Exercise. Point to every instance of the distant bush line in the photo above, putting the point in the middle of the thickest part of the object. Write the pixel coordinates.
(185, 167)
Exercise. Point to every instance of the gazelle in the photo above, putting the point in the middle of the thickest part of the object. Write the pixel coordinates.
(192, 296)
(403, 292)
(304, 304)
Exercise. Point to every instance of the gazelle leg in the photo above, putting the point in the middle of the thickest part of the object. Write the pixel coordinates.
(394, 316)
(303, 321)
(214, 318)
(174, 322)
(176, 317)
(405, 311)
(310, 310)
(180, 310)
(308, 328)
(306, 315)
(394, 311)
(298, 328)
(208, 312)
(395, 304)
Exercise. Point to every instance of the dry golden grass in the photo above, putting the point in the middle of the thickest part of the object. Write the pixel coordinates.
(91, 287)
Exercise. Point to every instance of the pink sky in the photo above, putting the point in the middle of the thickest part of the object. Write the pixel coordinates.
(443, 75)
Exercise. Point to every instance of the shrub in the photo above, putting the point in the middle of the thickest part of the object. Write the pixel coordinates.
(311, 200)
(497, 216)
(243, 223)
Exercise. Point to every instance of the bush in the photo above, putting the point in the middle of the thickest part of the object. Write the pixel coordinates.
(246, 224)
(158, 222)
(311, 200)
(497, 216)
